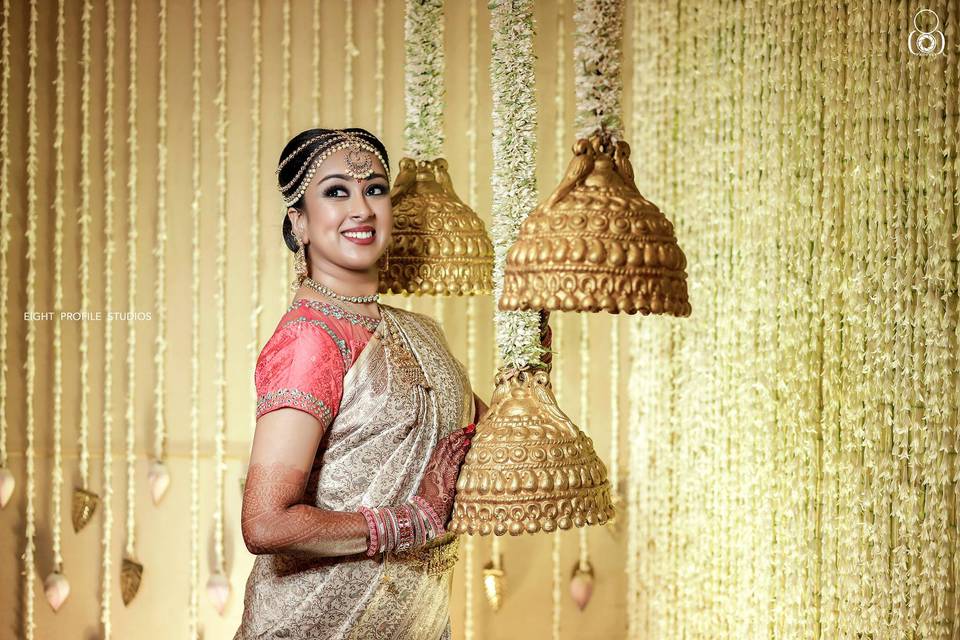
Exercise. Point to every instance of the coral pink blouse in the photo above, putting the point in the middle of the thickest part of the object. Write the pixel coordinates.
(304, 362)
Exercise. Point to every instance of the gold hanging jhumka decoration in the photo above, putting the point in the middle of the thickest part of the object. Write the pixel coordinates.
(596, 244)
(529, 468)
(440, 246)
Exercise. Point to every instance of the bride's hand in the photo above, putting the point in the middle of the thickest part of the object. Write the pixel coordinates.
(440, 478)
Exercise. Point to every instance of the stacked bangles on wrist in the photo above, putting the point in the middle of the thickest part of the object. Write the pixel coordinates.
(401, 528)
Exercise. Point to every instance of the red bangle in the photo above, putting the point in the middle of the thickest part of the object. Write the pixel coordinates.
(372, 526)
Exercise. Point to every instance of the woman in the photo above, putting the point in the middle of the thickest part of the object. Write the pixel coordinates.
(363, 420)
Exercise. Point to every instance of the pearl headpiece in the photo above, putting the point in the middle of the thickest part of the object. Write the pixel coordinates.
(359, 165)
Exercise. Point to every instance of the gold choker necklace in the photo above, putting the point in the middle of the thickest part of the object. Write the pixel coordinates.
(327, 291)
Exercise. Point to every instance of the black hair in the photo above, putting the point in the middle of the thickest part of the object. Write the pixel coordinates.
(303, 145)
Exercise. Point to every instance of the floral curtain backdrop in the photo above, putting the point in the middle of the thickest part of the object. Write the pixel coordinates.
(788, 453)
(793, 444)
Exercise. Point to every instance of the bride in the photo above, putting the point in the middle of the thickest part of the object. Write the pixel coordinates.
(363, 420)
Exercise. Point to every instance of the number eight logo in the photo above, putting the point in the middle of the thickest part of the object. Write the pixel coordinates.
(926, 43)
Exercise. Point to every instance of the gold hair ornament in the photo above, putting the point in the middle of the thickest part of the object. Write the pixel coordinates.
(359, 165)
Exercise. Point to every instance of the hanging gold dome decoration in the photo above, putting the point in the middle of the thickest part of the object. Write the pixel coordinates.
(596, 244)
(440, 246)
(529, 468)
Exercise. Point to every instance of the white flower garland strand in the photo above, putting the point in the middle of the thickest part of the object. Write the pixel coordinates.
(826, 392)
(4, 219)
(350, 52)
(221, 295)
(513, 182)
(315, 63)
(473, 197)
(560, 162)
(285, 263)
(423, 79)
(57, 479)
(106, 582)
(584, 557)
(256, 304)
(160, 248)
(29, 623)
(597, 54)
(130, 417)
(85, 218)
(193, 610)
(378, 75)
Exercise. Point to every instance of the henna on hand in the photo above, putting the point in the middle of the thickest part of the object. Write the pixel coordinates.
(272, 521)
(438, 486)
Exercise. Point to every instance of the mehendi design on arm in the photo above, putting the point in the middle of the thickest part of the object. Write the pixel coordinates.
(272, 521)
(439, 482)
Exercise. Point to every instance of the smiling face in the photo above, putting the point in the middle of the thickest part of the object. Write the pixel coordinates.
(346, 223)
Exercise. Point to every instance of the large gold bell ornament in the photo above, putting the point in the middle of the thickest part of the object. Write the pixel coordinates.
(529, 468)
(440, 246)
(596, 244)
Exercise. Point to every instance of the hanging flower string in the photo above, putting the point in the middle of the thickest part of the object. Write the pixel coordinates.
(57, 479)
(160, 249)
(314, 62)
(106, 578)
(29, 622)
(597, 54)
(513, 182)
(423, 79)
(350, 52)
(221, 295)
(256, 305)
(473, 197)
(378, 76)
(193, 620)
(560, 162)
(4, 229)
(129, 416)
(85, 218)
(285, 269)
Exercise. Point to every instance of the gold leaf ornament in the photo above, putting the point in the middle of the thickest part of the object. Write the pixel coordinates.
(131, 574)
(530, 468)
(439, 245)
(596, 244)
(83, 506)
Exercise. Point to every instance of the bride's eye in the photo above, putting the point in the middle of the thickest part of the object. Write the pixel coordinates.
(335, 191)
(377, 190)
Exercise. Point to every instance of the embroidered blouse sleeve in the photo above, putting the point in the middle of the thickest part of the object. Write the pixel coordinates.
(302, 367)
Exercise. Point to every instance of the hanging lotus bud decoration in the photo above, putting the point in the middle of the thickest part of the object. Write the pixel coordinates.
(440, 246)
(529, 468)
(83, 507)
(7, 484)
(56, 588)
(596, 244)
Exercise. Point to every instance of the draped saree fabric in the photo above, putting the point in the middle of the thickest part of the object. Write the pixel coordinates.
(403, 393)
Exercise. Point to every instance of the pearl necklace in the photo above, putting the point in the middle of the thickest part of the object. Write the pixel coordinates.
(327, 291)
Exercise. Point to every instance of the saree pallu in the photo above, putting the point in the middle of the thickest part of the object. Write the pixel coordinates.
(403, 393)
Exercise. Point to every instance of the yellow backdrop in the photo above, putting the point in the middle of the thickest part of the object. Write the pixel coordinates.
(787, 454)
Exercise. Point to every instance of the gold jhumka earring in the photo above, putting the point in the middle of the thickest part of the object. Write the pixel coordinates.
(299, 265)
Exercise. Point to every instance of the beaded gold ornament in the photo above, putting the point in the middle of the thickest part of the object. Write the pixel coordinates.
(359, 164)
